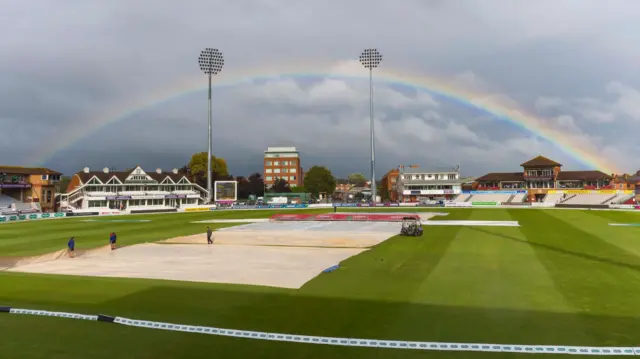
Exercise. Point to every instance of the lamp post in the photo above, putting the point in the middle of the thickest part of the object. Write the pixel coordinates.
(370, 59)
(211, 63)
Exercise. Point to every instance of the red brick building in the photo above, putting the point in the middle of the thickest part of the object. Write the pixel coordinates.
(284, 163)
(388, 182)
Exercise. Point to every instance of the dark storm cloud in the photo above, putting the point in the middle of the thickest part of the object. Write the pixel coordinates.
(67, 63)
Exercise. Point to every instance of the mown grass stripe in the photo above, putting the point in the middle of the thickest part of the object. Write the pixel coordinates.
(600, 280)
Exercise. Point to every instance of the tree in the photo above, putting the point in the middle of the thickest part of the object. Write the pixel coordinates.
(357, 179)
(198, 167)
(256, 184)
(280, 186)
(298, 189)
(383, 192)
(63, 184)
(318, 180)
(244, 187)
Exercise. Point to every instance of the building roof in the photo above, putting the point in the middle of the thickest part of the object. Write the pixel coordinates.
(501, 176)
(280, 149)
(540, 161)
(626, 178)
(418, 170)
(18, 170)
(427, 182)
(392, 172)
(582, 175)
(122, 175)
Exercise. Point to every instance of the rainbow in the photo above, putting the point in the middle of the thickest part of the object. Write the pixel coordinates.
(508, 111)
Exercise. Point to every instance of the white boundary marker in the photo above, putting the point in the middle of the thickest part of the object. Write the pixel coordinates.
(472, 223)
(353, 342)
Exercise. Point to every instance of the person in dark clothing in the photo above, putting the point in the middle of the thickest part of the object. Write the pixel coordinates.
(112, 240)
(72, 247)
(209, 233)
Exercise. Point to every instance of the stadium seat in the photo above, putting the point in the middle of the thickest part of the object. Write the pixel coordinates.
(553, 198)
(491, 197)
(590, 198)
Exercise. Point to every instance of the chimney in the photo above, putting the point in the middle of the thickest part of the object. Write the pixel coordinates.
(175, 171)
(158, 170)
(105, 170)
(85, 170)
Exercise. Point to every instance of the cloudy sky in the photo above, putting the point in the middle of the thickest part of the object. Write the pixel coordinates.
(117, 83)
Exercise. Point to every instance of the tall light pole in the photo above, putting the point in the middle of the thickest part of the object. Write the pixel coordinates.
(370, 59)
(211, 62)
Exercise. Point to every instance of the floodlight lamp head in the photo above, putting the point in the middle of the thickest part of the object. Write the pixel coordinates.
(370, 58)
(211, 61)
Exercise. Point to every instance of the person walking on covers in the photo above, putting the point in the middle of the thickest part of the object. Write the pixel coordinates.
(209, 233)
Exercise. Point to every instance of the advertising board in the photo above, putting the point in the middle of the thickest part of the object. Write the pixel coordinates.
(285, 206)
(622, 206)
(154, 210)
(118, 198)
(484, 203)
(542, 204)
(81, 214)
(365, 204)
(268, 206)
(457, 204)
(175, 196)
(590, 191)
(422, 192)
(497, 192)
(30, 217)
(110, 213)
(197, 209)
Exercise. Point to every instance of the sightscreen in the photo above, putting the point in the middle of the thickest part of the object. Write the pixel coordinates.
(226, 191)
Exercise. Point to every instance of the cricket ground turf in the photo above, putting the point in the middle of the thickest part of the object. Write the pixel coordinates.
(563, 277)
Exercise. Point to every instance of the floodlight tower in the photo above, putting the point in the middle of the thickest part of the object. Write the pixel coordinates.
(370, 59)
(211, 62)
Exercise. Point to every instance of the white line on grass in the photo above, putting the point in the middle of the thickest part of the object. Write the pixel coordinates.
(354, 342)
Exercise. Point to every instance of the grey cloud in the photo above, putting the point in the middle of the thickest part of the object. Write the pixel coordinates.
(65, 65)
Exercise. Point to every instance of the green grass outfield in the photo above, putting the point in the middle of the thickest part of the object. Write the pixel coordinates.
(563, 278)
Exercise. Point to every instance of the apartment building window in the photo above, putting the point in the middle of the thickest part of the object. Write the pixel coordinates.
(452, 177)
(293, 178)
(292, 170)
(293, 163)
(44, 177)
(285, 163)
(268, 163)
(277, 170)
(276, 163)
(269, 178)
(269, 170)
